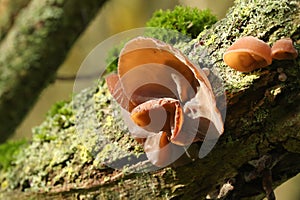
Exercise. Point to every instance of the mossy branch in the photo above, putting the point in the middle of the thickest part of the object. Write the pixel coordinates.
(33, 48)
(8, 12)
(260, 143)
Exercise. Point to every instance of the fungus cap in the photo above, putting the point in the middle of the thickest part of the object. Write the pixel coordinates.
(247, 54)
(283, 49)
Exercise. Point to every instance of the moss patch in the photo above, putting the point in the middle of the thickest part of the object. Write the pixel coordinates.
(9, 151)
(186, 20)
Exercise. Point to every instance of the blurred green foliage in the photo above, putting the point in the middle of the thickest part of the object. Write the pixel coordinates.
(8, 151)
(186, 20)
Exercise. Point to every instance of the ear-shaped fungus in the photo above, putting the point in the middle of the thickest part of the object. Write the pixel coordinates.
(155, 78)
(247, 54)
(283, 49)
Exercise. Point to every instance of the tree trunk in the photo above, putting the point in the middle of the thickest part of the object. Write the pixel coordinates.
(33, 45)
(258, 151)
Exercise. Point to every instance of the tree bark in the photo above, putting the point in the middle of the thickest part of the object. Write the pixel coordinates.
(8, 12)
(258, 151)
(35, 44)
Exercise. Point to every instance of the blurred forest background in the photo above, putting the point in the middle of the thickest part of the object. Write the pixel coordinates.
(114, 17)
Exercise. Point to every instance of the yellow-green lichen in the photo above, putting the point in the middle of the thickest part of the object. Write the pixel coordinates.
(73, 136)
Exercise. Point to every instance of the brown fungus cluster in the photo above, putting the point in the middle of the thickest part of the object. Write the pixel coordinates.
(249, 53)
(168, 99)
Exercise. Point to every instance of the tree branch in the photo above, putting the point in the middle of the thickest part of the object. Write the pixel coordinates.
(32, 51)
(8, 13)
(259, 149)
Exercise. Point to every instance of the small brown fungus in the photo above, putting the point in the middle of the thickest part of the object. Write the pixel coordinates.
(282, 77)
(283, 49)
(247, 54)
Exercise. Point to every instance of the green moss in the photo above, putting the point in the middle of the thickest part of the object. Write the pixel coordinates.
(186, 20)
(8, 152)
(58, 108)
